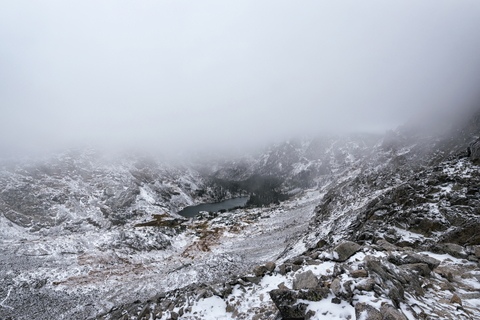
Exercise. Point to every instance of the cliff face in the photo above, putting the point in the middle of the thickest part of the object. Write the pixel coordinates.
(373, 224)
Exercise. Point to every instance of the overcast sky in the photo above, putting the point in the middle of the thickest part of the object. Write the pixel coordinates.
(197, 74)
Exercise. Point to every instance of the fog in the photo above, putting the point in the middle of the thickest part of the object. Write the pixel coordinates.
(204, 75)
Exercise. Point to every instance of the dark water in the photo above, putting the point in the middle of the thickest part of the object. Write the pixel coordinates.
(214, 207)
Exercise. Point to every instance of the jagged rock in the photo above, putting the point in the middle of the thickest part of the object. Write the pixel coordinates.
(348, 288)
(470, 295)
(452, 249)
(336, 300)
(390, 313)
(174, 315)
(386, 245)
(420, 268)
(413, 258)
(217, 289)
(305, 280)
(227, 289)
(313, 294)
(286, 303)
(255, 280)
(367, 312)
(396, 295)
(145, 311)
(270, 265)
(310, 314)
(260, 271)
(230, 308)
(361, 273)
(345, 250)
(365, 285)
(456, 299)
(298, 261)
(372, 264)
(472, 258)
(477, 252)
(282, 286)
(336, 287)
(202, 293)
(295, 268)
(447, 286)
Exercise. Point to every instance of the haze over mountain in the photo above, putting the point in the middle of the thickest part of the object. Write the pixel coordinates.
(180, 75)
(349, 129)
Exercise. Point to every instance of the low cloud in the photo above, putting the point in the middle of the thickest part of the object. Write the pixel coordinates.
(178, 75)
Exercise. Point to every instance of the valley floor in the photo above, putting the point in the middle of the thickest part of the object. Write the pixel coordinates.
(82, 275)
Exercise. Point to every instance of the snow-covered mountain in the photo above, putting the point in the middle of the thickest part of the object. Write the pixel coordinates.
(370, 226)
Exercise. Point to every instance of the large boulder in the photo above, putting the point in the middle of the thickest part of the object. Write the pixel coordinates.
(345, 250)
(390, 313)
(413, 258)
(260, 271)
(336, 287)
(452, 249)
(305, 280)
(270, 265)
(286, 302)
(367, 312)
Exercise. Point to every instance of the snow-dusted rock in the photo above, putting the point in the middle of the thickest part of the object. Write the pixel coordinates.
(367, 312)
(305, 280)
(345, 250)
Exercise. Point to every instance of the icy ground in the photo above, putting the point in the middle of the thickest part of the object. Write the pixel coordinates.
(81, 275)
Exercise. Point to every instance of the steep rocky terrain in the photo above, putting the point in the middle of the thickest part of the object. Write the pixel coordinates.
(370, 228)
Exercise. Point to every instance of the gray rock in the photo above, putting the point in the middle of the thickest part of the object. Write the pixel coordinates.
(286, 303)
(336, 287)
(386, 245)
(255, 280)
(472, 258)
(305, 280)
(270, 265)
(390, 313)
(477, 252)
(230, 308)
(367, 312)
(452, 249)
(314, 294)
(345, 250)
(456, 299)
(470, 295)
(365, 285)
(361, 273)
(260, 271)
(396, 295)
(372, 264)
(412, 258)
(282, 286)
(202, 293)
(145, 311)
(419, 268)
(336, 300)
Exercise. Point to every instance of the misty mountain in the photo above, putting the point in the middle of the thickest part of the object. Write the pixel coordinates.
(387, 220)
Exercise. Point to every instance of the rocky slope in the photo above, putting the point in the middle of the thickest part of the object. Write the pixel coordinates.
(375, 228)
